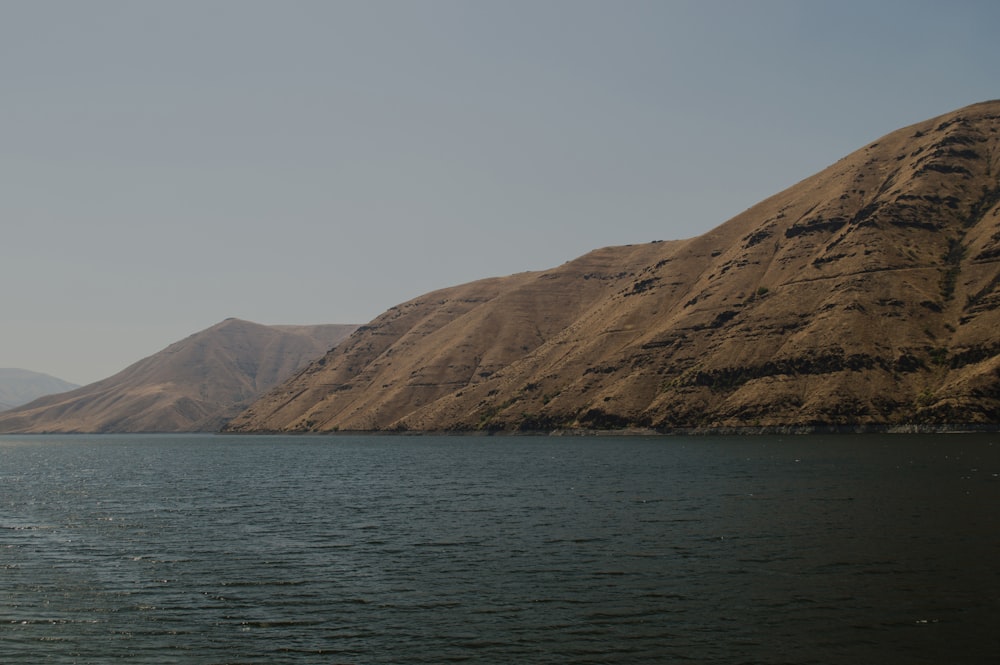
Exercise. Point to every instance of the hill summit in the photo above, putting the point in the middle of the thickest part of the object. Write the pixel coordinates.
(865, 295)
(193, 385)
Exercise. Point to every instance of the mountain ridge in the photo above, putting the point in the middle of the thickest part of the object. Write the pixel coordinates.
(865, 295)
(194, 384)
(20, 386)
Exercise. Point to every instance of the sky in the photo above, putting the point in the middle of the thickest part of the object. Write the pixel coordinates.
(167, 164)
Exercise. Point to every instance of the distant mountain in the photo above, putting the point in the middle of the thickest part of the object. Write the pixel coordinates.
(20, 386)
(195, 384)
(865, 295)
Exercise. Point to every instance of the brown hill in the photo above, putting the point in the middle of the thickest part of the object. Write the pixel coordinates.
(195, 384)
(867, 294)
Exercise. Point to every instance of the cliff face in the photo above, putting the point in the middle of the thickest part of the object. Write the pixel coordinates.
(195, 384)
(868, 293)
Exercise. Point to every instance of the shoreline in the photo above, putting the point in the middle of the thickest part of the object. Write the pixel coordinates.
(766, 430)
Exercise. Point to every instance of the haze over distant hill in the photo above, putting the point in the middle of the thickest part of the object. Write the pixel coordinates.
(195, 384)
(867, 294)
(20, 386)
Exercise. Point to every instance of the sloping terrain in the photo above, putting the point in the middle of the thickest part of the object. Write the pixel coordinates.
(866, 294)
(195, 384)
(20, 386)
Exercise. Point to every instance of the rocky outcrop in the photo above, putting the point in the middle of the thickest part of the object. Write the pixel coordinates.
(196, 384)
(865, 295)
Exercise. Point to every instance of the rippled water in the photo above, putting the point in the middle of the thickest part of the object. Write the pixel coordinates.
(211, 549)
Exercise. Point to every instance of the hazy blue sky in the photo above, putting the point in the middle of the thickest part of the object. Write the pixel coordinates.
(165, 165)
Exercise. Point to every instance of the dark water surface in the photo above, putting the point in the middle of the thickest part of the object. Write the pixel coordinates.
(211, 549)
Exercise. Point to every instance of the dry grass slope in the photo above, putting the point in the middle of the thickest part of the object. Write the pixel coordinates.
(865, 295)
(196, 384)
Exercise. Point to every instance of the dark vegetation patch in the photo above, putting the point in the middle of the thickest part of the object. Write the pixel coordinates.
(815, 225)
(953, 262)
(606, 277)
(602, 369)
(979, 301)
(947, 201)
(729, 378)
(941, 167)
(988, 199)
(539, 422)
(600, 419)
(864, 217)
(989, 253)
(756, 238)
(722, 318)
(642, 286)
(974, 354)
(828, 259)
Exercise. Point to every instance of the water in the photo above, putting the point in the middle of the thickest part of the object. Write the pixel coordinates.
(212, 549)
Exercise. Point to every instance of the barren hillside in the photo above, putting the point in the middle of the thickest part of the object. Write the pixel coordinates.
(866, 294)
(195, 384)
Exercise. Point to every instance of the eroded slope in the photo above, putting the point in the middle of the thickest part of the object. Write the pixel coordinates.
(865, 294)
